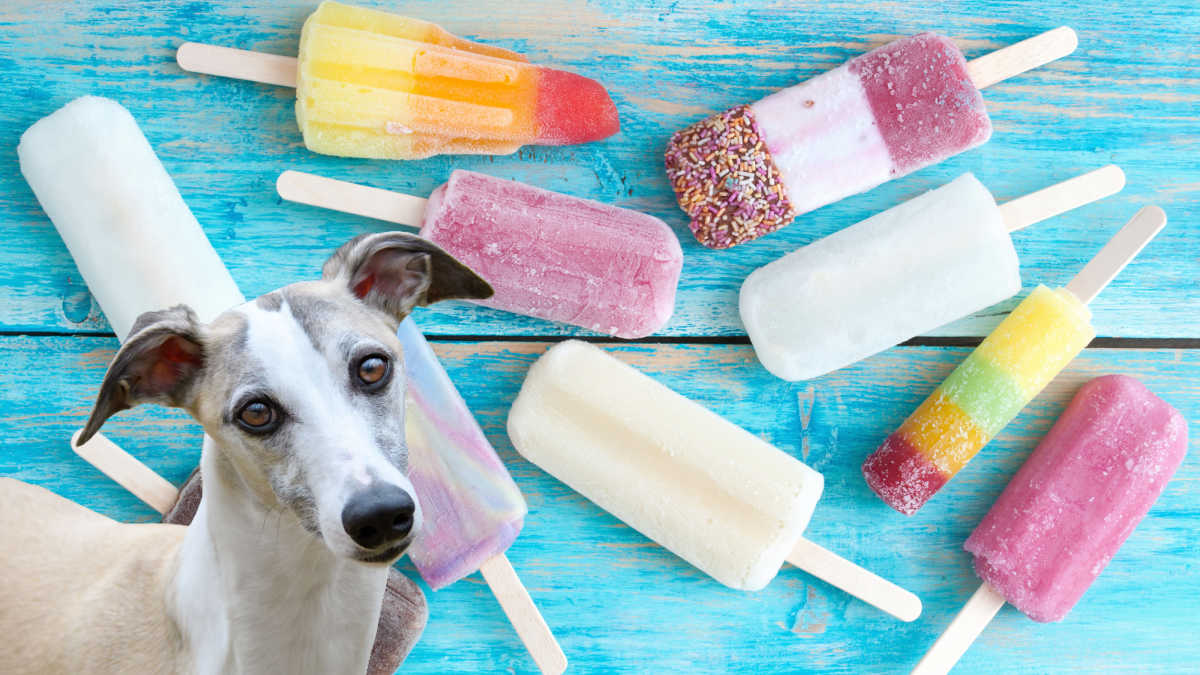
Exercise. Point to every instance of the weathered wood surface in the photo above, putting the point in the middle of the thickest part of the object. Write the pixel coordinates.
(1129, 95)
(620, 603)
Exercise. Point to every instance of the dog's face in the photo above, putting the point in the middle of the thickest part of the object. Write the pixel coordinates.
(303, 389)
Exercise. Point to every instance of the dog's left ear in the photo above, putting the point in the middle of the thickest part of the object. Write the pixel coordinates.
(156, 364)
(396, 271)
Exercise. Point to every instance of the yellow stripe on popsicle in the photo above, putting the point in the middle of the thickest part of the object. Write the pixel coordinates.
(361, 18)
(1041, 336)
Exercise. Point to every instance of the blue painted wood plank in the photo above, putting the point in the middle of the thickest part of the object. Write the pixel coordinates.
(1129, 95)
(620, 603)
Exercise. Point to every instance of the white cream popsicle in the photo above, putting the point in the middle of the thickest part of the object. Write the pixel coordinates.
(711, 492)
(931, 260)
(154, 252)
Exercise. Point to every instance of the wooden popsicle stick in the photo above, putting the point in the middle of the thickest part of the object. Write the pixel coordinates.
(861, 583)
(239, 64)
(1022, 56)
(1062, 197)
(1117, 253)
(127, 471)
(339, 195)
(523, 614)
(967, 625)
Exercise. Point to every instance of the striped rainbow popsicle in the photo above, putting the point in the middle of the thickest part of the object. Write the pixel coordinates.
(987, 390)
(1014, 363)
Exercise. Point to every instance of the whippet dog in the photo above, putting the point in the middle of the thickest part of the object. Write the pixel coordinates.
(306, 501)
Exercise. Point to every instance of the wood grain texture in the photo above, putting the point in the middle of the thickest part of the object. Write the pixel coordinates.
(1129, 95)
(619, 603)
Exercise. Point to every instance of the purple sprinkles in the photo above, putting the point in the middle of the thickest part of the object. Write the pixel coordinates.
(725, 179)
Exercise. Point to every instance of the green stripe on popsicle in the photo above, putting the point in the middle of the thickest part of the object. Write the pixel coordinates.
(987, 393)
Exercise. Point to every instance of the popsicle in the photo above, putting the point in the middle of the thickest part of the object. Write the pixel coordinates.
(136, 244)
(384, 86)
(546, 254)
(404, 613)
(1066, 512)
(931, 260)
(1012, 365)
(709, 491)
(911, 103)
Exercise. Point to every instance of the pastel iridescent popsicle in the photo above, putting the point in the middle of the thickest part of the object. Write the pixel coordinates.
(473, 509)
(1069, 508)
(380, 85)
(546, 254)
(914, 102)
(1012, 365)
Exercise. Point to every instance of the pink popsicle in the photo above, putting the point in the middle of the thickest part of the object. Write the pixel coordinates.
(559, 257)
(1079, 496)
(546, 254)
(1069, 508)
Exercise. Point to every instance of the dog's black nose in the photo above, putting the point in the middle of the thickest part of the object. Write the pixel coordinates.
(379, 515)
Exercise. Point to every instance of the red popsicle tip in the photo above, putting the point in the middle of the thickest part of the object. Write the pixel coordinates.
(901, 475)
(573, 109)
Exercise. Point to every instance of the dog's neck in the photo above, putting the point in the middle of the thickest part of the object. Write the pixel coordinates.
(257, 593)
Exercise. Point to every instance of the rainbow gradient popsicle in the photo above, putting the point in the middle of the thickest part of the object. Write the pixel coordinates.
(1012, 365)
(379, 85)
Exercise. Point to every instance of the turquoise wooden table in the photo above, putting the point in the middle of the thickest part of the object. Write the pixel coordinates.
(1129, 95)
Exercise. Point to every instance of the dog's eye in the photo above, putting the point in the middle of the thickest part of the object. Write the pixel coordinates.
(373, 371)
(258, 417)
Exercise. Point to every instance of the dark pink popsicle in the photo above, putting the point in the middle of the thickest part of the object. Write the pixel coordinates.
(1079, 496)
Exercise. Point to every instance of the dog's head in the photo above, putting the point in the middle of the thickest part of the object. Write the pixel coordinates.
(303, 389)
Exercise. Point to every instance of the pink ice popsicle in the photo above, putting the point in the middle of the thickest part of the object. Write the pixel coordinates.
(906, 105)
(1079, 496)
(546, 254)
(559, 257)
(1069, 508)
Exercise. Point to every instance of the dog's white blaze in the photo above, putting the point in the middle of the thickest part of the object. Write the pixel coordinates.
(333, 442)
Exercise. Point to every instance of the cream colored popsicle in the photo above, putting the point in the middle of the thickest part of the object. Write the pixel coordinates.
(711, 492)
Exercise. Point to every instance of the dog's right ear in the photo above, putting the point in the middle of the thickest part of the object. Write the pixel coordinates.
(157, 364)
(396, 271)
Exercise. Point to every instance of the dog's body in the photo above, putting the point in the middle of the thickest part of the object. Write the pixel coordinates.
(305, 505)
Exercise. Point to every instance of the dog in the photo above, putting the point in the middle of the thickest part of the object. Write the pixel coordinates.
(306, 501)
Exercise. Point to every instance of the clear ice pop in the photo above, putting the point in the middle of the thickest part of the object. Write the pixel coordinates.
(546, 254)
(1012, 365)
(380, 85)
(931, 260)
(711, 492)
(911, 103)
(90, 167)
(1070, 507)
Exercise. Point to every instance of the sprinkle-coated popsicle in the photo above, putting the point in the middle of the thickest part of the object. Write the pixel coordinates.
(911, 103)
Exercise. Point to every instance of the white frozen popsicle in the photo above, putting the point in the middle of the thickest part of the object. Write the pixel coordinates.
(929, 261)
(72, 158)
(711, 492)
